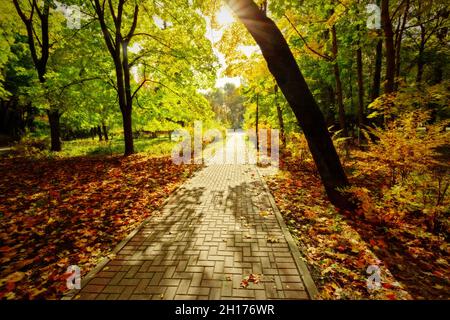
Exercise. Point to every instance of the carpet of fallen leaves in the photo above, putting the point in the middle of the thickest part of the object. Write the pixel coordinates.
(57, 213)
(339, 247)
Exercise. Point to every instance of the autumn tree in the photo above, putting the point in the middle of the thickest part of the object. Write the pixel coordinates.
(36, 22)
(290, 80)
(337, 76)
(386, 22)
(430, 19)
(117, 44)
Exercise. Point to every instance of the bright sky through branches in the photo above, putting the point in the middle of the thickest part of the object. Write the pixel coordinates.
(225, 17)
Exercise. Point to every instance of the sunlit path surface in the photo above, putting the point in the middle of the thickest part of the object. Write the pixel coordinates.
(235, 148)
(214, 236)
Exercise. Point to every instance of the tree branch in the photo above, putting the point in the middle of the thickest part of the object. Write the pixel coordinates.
(324, 56)
(107, 35)
(21, 14)
(133, 26)
(79, 81)
(154, 38)
(111, 9)
(139, 88)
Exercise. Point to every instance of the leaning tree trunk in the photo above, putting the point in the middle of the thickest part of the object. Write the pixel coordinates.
(339, 91)
(390, 49)
(284, 68)
(53, 119)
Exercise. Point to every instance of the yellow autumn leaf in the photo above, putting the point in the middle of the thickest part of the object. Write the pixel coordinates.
(264, 213)
(15, 277)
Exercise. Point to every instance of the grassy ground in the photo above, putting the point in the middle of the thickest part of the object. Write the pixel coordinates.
(88, 147)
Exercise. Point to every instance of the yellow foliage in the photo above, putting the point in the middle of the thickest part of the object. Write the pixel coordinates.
(406, 145)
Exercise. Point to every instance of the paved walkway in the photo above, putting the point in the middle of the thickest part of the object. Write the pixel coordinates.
(220, 227)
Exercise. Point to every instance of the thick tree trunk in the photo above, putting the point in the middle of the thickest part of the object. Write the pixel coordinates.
(389, 86)
(339, 92)
(126, 110)
(284, 68)
(128, 132)
(53, 119)
(128, 128)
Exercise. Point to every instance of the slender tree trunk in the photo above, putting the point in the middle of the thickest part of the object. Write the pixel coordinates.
(376, 87)
(390, 49)
(99, 132)
(284, 68)
(257, 122)
(359, 63)
(128, 128)
(438, 74)
(329, 116)
(117, 45)
(105, 132)
(339, 91)
(55, 135)
(125, 109)
(398, 44)
(280, 118)
(420, 65)
(420, 58)
(376, 82)
(281, 125)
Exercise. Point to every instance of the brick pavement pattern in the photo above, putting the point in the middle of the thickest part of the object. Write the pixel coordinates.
(218, 228)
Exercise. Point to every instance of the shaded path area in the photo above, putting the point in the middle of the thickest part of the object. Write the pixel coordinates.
(218, 229)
